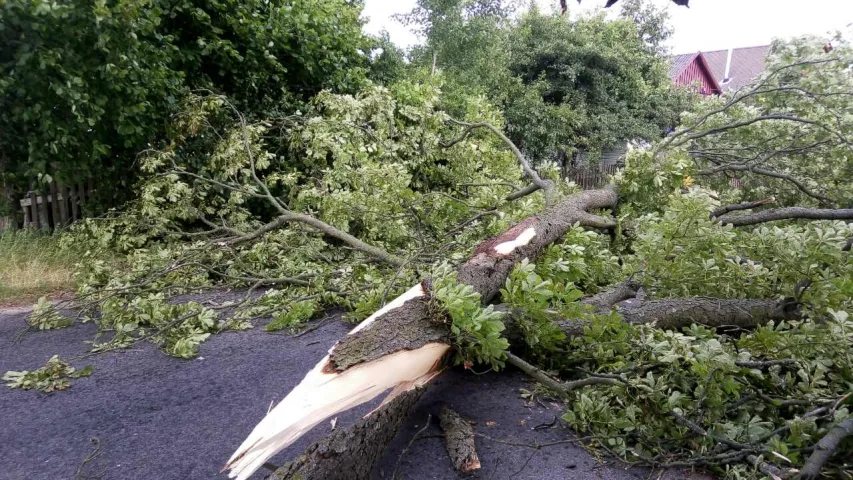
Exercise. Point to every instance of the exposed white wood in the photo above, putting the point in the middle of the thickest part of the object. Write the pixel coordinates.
(323, 394)
(522, 239)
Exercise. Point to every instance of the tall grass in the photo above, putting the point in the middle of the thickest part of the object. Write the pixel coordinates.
(32, 265)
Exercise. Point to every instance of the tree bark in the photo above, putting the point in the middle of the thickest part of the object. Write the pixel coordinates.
(459, 440)
(349, 454)
(494, 259)
(675, 314)
(605, 300)
(741, 206)
(825, 448)
(788, 213)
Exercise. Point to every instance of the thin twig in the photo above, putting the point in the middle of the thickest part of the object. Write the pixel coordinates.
(405, 450)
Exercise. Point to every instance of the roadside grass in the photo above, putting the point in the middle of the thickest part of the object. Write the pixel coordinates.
(33, 265)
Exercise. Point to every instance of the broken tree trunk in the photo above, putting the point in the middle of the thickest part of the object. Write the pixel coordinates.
(400, 347)
(340, 456)
(459, 440)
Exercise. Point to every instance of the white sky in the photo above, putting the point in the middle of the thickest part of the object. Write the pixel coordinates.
(707, 25)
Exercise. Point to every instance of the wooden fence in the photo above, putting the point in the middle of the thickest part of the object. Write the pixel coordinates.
(55, 207)
(590, 178)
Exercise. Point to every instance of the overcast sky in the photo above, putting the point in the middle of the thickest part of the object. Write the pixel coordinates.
(707, 25)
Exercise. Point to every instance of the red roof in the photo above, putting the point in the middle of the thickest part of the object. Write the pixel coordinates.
(691, 69)
(747, 64)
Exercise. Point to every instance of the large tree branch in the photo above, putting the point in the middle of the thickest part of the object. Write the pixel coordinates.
(675, 314)
(493, 259)
(825, 448)
(787, 213)
(741, 206)
(523, 192)
(606, 299)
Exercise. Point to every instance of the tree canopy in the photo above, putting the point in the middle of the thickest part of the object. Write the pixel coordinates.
(84, 86)
(565, 84)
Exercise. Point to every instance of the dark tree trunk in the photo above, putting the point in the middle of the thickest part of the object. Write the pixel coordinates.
(351, 454)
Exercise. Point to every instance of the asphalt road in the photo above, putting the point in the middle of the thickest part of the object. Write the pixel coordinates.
(157, 417)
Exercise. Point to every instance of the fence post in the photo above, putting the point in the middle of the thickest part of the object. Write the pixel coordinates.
(63, 206)
(75, 213)
(43, 212)
(54, 205)
(27, 219)
(34, 209)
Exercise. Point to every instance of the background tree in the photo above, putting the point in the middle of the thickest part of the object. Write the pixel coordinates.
(566, 85)
(85, 85)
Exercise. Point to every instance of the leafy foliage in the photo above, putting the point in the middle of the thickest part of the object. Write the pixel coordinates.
(476, 330)
(566, 85)
(85, 86)
(55, 375)
(45, 317)
(695, 374)
(786, 136)
(370, 166)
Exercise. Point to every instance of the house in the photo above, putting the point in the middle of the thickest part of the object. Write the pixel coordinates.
(720, 70)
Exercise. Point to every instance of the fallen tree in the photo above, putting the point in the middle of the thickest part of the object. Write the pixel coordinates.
(724, 361)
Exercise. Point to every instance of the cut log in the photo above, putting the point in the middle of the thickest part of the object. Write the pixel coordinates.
(459, 440)
(400, 347)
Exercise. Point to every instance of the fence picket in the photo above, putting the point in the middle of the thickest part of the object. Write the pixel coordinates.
(59, 214)
(590, 178)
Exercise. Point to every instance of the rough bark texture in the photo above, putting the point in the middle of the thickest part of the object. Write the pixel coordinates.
(488, 269)
(604, 301)
(673, 314)
(788, 213)
(459, 440)
(407, 327)
(350, 454)
(825, 448)
(678, 313)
